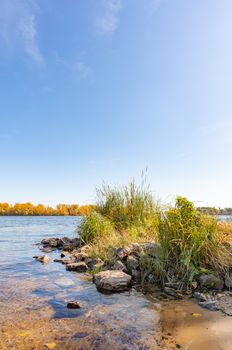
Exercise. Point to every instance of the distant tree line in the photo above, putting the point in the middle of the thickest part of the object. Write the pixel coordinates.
(28, 209)
(215, 211)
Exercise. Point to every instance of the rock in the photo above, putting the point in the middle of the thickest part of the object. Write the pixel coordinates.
(65, 243)
(132, 262)
(151, 248)
(78, 267)
(64, 282)
(80, 256)
(136, 275)
(94, 263)
(172, 292)
(61, 242)
(122, 253)
(50, 242)
(59, 261)
(69, 260)
(209, 305)
(43, 258)
(202, 297)
(173, 284)
(47, 250)
(135, 248)
(228, 280)
(112, 281)
(72, 244)
(73, 305)
(211, 282)
(118, 265)
(64, 254)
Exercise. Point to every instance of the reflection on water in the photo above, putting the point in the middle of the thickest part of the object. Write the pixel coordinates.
(33, 298)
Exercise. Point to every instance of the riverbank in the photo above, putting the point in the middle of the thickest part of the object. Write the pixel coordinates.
(34, 297)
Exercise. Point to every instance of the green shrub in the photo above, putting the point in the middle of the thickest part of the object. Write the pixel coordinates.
(190, 243)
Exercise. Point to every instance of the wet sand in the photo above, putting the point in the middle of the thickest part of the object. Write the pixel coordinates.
(33, 315)
(185, 325)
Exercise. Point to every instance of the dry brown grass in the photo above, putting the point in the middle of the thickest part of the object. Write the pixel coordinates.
(226, 229)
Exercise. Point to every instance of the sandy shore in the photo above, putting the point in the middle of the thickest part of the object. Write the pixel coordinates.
(185, 325)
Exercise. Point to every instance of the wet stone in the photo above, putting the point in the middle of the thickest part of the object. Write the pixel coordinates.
(43, 259)
(73, 305)
(112, 281)
(211, 282)
(78, 267)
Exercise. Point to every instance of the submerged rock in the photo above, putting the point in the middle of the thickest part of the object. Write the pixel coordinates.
(47, 249)
(173, 292)
(73, 305)
(211, 282)
(78, 267)
(43, 258)
(112, 281)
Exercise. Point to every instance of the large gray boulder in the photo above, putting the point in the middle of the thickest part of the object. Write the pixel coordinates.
(211, 282)
(112, 281)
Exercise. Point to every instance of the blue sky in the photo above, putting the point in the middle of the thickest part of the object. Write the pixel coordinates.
(95, 90)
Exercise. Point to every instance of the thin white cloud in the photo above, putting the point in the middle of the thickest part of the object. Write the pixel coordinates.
(18, 27)
(152, 6)
(108, 21)
(82, 69)
(78, 68)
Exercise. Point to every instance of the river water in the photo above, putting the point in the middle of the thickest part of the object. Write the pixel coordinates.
(33, 298)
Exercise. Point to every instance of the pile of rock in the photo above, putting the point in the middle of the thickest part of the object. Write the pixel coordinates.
(65, 243)
(127, 266)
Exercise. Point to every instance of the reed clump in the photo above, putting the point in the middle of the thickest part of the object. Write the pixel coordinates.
(190, 243)
(122, 215)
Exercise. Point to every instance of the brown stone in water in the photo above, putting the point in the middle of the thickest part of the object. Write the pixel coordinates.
(43, 258)
(78, 267)
(73, 305)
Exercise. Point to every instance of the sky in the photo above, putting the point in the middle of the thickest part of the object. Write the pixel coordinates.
(100, 90)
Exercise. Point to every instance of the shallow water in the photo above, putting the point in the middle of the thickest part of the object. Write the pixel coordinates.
(33, 298)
